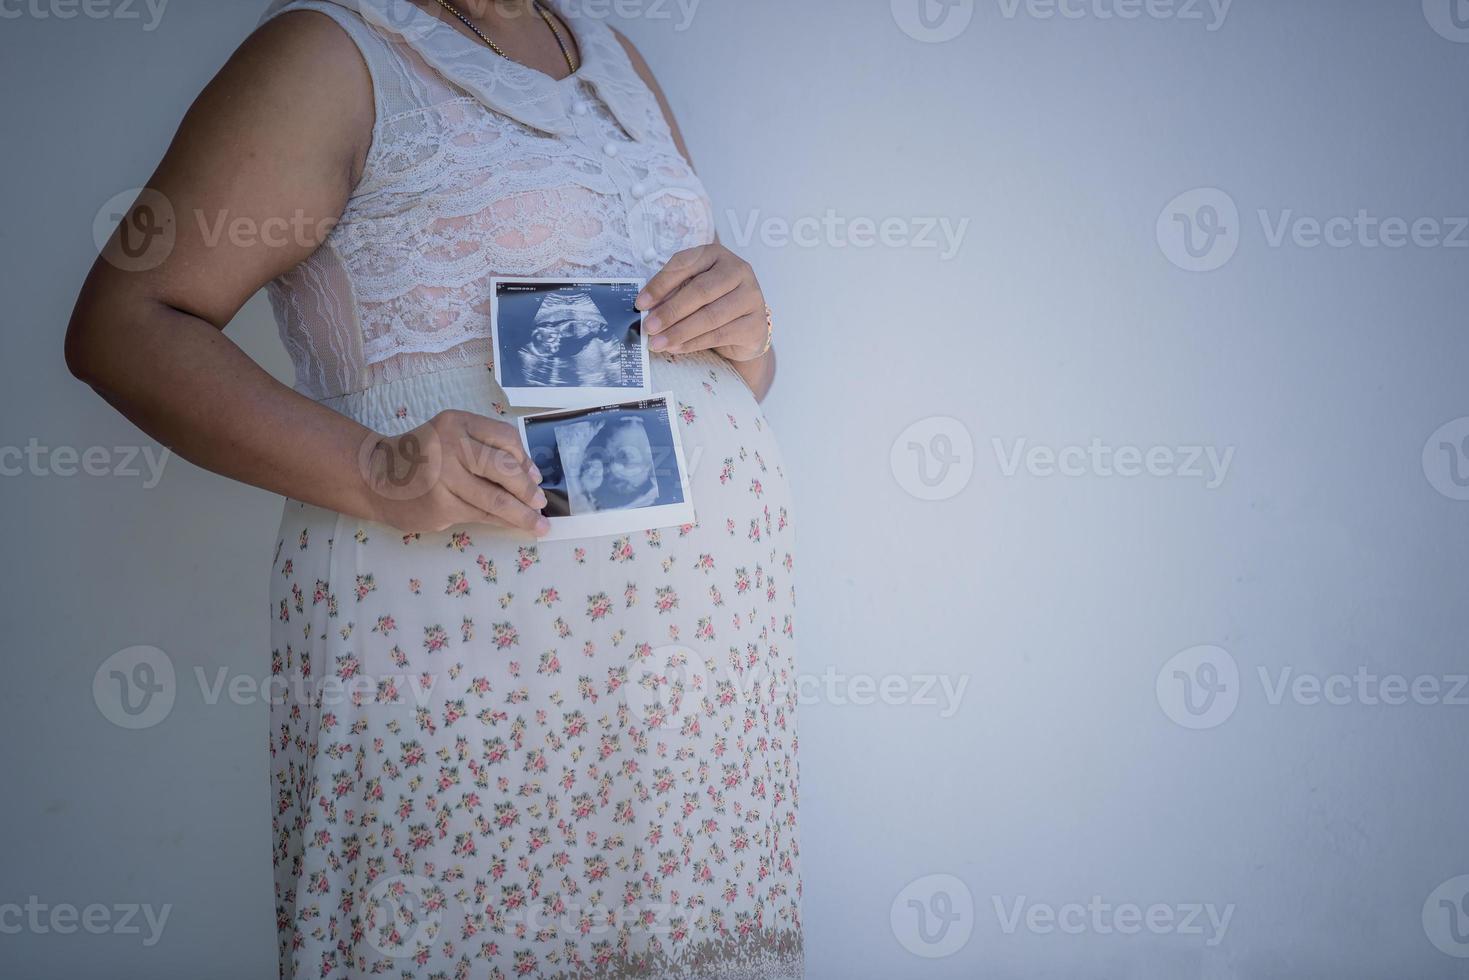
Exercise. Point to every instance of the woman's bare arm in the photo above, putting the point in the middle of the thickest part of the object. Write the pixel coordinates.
(262, 166)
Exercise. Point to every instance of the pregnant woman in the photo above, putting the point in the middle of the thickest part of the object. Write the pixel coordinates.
(491, 756)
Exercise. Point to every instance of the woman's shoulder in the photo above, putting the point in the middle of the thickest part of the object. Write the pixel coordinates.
(645, 72)
(641, 66)
(308, 43)
(300, 73)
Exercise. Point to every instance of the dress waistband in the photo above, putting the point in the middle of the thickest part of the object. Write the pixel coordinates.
(395, 407)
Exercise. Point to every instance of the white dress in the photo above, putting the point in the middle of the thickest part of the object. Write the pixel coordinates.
(491, 757)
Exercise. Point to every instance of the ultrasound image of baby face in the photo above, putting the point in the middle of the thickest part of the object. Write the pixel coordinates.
(629, 457)
(546, 338)
(618, 467)
(571, 343)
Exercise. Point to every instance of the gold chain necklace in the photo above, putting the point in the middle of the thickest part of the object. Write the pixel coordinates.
(540, 9)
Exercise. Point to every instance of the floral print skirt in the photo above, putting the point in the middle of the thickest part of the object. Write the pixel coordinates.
(492, 758)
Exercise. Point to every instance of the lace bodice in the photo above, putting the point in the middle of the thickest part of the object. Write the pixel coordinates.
(478, 167)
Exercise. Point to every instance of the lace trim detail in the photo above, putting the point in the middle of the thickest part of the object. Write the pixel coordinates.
(454, 194)
(506, 86)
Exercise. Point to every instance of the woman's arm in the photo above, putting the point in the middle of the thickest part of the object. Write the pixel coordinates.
(261, 168)
(729, 298)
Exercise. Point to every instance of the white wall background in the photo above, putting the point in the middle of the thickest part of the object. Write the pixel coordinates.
(1058, 776)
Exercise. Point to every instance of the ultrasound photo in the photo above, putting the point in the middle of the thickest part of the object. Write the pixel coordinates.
(568, 343)
(611, 469)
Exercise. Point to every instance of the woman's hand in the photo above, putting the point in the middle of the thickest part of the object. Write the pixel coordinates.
(457, 468)
(706, 298)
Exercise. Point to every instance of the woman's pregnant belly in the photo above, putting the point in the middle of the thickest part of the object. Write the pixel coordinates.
(452, 703)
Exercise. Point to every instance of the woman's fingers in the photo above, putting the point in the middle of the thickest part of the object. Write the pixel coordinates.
(679, 270)
(487, 476)
(693, 331)
(735, 337)
(692, 296)
(495, 504)
(499, 435)
(499, 467)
